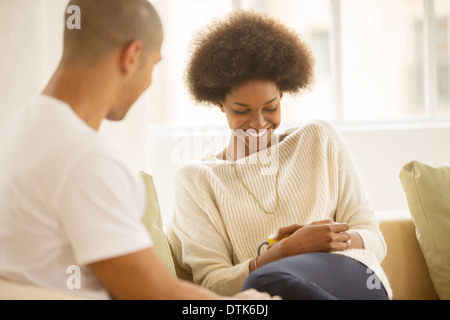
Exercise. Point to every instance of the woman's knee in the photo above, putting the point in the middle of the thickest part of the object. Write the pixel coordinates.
(263, 278)
(285, 284)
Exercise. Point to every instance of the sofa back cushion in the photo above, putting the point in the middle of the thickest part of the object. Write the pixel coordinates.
(153, 221)
(427, 190)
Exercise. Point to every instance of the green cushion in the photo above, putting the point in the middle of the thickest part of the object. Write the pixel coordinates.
(153, 221)
(427, 190)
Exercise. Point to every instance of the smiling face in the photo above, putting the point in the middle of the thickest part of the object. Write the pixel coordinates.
(253, 113)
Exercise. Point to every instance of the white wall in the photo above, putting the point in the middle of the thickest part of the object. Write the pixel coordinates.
(30, 47)
(31, 38)
(379, 152)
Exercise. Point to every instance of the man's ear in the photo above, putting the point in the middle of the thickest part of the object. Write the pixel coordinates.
(131, 56)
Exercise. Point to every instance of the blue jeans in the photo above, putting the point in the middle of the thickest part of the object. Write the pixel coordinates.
(317, 276)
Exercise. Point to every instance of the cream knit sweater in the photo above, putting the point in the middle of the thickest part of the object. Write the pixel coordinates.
(217, 225)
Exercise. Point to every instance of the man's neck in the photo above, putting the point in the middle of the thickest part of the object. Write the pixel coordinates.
(87, 92)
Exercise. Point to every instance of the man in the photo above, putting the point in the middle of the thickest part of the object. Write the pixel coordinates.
(66, 198)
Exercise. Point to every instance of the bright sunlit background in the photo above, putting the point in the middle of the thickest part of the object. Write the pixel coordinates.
(371, 58)
(382, 77)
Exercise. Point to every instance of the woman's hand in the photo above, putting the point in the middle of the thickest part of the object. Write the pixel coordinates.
(286, 231)
(322, 236)
(319, 236)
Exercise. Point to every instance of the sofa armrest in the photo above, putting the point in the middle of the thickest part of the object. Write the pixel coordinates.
(404, 263)
(14, 291)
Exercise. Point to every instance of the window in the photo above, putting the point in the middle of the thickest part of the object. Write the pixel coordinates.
(442, 63)
(376, 60)
(379, 69)
(442, 33)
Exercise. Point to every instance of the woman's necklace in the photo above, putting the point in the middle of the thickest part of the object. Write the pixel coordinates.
(251, 193)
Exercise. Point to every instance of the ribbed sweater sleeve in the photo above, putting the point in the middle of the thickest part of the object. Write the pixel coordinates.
(198, 236)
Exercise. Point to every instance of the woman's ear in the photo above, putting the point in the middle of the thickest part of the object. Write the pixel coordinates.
(220, 105)
(281, 95)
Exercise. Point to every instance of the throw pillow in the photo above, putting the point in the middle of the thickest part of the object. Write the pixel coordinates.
(427, 190)
(153, 221)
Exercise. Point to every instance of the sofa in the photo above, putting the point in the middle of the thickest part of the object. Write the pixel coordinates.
(405, 264)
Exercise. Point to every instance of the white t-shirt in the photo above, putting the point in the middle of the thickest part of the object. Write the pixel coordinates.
(67, 199)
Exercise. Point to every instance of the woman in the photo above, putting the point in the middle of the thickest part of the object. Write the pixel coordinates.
(301, 185)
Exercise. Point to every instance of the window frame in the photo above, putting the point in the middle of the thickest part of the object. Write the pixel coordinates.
(429, 63)
(430, 68)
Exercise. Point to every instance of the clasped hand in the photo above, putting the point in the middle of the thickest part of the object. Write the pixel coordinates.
(319, 236)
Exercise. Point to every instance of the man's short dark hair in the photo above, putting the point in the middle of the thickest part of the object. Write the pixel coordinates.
(109, 24)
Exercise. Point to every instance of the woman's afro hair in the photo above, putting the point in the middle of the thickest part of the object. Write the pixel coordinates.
(247, 45)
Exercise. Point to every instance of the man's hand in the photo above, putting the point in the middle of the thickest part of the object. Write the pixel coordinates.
(252, 294)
